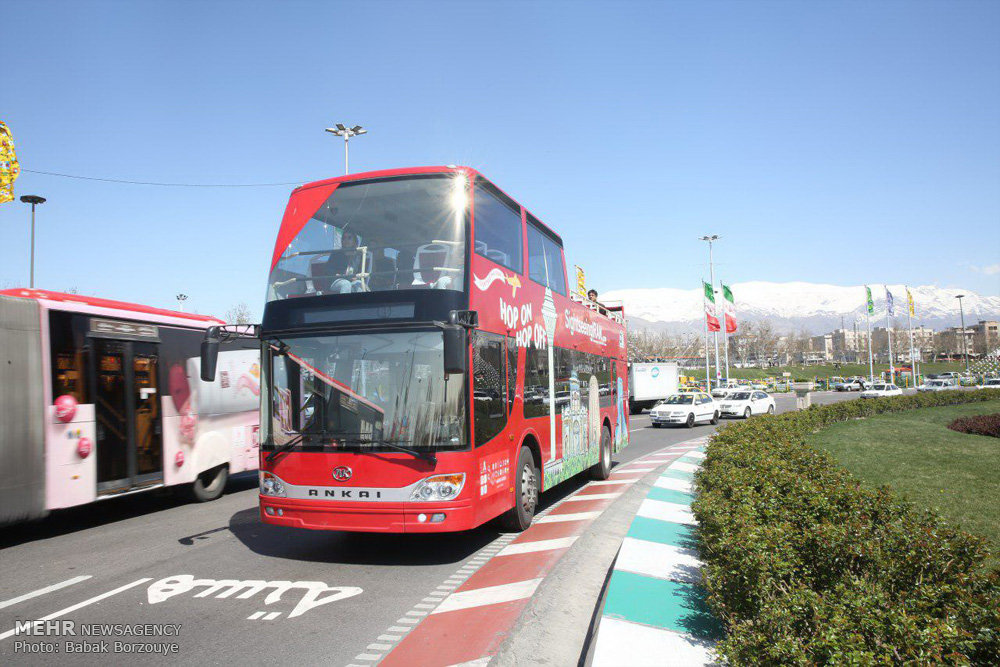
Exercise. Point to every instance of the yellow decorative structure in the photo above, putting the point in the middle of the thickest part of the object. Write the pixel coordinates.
(9, 167)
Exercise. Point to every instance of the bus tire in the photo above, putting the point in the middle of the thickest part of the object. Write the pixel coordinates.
(210, 484)
(602, 469)
(519, 517)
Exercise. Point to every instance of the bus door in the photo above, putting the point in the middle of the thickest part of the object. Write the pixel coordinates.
(127, 406)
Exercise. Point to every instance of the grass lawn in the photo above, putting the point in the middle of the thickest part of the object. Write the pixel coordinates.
(819, 370)
(954, 474)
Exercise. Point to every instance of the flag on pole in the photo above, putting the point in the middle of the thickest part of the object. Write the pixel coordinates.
(889, 302)
(909, 302)
(871, 304)
(9, 167)
(730, 309)
(710, 315)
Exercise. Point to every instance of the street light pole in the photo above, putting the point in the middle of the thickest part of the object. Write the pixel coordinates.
(34, 200)
(181, 298)
(711, 276)
(965, 345)
(342, 130)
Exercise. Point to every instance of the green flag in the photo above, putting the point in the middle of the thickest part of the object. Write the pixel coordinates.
(709, 294)
(871, 304)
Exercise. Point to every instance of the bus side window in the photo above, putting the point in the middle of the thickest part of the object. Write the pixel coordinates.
(536, 383)
(545, 263)
(498, 227)
(488, 386)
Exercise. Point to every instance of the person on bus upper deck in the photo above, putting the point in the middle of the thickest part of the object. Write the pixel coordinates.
(343, 264)
(592, 295)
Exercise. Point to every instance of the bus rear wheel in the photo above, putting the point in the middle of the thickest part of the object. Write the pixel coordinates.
(210, 484)
(519, 517)
(602, 469)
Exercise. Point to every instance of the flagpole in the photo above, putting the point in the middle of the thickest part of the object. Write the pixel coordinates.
(708, 369)
(725, 329)
(871, 361)
(888, 337)
(711, 276)
(909, 325)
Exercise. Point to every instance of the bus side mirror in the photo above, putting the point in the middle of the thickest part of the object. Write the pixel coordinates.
(456, 351)
(209, 354)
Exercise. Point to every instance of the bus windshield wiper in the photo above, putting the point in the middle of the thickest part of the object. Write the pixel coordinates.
(280, 449)
(425, 456)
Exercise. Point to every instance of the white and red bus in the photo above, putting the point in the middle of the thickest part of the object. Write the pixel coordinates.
(102, 398)
(425, 365)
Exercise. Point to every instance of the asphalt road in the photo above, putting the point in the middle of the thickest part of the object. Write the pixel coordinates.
(319, 597)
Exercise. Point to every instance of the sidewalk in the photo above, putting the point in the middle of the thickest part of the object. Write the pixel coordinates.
(655, 612)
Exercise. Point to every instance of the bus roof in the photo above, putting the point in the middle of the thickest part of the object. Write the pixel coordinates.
(407, 171)
(46, 295)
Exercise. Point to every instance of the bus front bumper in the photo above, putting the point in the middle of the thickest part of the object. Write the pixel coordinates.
(368, 517)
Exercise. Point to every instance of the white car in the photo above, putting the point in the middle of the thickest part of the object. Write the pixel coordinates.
(746, 403)
(880, 389)
(687, 409)
(937, 385)
(990, 383)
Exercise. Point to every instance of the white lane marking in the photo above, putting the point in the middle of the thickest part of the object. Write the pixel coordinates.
(658, 509)
(478, 662)
(81, 605)
(662, 561)
(423, 605)
(686, 467)
(629, 470)
(633, 430)
(368, 656)
(591, 496)
(624, 480)
(273, 615)
(538, 545)
(408, 621)
(379, 647)
(43, 591)
(254, 616)
(479, 597)
(416, 613)
(397, 628)
(624, 643)
(674, 484)
(390, 638)
(696, 454)
(449, 587)
(575, 516)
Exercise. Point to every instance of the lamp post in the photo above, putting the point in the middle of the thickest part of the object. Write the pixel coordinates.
(965, 345)
(34, 200)
(711, 276)
(181, 298)
(346, 132)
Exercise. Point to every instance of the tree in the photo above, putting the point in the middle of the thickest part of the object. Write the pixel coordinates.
(240, 314)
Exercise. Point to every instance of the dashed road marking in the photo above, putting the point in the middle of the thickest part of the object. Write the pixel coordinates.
(479, 597)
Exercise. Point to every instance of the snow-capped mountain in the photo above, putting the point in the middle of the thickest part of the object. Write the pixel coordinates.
(815, 307)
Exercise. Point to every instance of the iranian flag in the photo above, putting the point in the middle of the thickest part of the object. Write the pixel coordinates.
(730, 309)
(710, 315)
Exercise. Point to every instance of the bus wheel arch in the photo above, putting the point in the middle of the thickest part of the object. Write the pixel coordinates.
(209, 484)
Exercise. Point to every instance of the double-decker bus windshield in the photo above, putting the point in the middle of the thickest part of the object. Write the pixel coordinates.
(360, 392)
(383, 234)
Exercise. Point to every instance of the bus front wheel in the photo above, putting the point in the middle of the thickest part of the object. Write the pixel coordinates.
(602, 469)
(519, 517)
(210, 484)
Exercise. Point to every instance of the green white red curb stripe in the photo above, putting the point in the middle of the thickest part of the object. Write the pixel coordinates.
(655, 612)
(466, 619)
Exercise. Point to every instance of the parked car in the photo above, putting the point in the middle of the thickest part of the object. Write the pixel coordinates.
(936, 385)
(687, 409)
(948, 375)
(990, 383)
(746, 403)
(880, 389)
(850, 384)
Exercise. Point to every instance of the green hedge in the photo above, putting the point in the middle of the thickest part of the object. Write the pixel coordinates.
(805, 566)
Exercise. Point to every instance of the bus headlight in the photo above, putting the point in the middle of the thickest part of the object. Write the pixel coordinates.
(439, 487)
(271, 485)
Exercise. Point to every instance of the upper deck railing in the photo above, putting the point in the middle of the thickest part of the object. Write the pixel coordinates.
(613, 310)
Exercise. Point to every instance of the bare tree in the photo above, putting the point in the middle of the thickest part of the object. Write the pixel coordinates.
(240, 314)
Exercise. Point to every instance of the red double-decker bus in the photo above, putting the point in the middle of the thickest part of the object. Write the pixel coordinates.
(425, 365)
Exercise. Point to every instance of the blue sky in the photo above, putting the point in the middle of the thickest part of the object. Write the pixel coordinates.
(840, 142)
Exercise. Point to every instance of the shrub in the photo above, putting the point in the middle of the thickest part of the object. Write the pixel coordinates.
(978, 425)
(805, 566)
